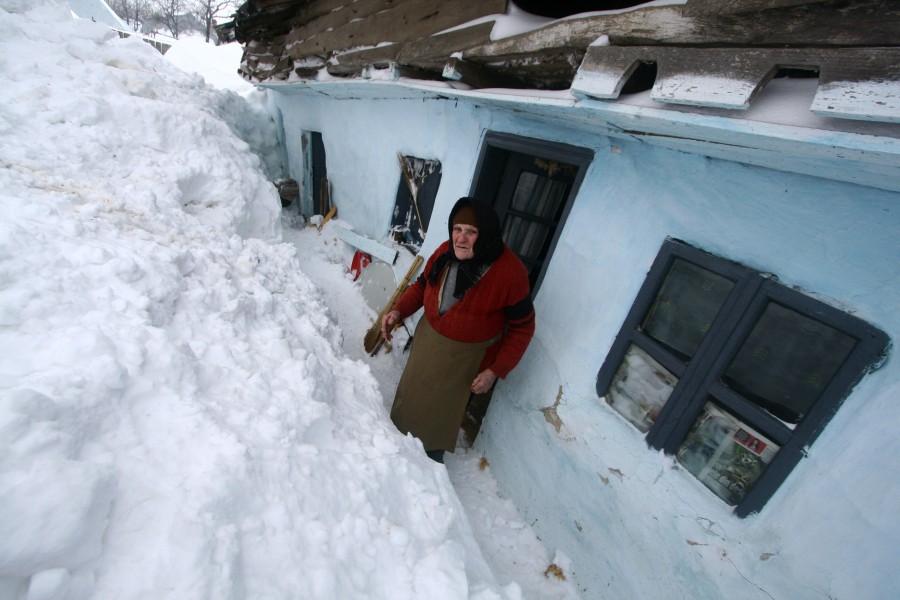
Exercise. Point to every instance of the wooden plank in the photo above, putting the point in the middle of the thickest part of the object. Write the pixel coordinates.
(266, 60)
(339, 14)
(605, 70)
(553, 69)
(268, 5)
(539, 58)
(441, 46)
(474, 75)
(866, 22)
(712, 77)
(328, 217)
(431, 51)
(356, 60)
(380, 251)
(862, 100)
(257, 20)
(723, 7)
(864, 84)
(408, 20)
(656, 24)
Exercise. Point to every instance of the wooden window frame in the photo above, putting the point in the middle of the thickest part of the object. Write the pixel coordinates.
(495, 152)
(698, 377)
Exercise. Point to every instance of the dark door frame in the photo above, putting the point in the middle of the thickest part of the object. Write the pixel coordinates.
(498, 149)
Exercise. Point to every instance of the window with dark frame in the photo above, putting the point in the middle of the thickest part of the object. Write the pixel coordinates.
(731, 372)
(416, 193)
(532, 184)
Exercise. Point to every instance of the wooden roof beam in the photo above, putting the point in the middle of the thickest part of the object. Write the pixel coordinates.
(727, 7)
(476, 76)
(407, 20)
(856, 83)
(819, 24)
(434, 50)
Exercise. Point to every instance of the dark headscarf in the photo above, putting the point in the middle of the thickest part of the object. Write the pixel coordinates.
(488, 247)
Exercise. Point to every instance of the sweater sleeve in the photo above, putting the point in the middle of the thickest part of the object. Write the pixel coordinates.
(412, 299)
(520, 330)
(518, 311)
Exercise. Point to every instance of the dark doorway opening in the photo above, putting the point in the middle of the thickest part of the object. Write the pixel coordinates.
(532, 184)
(318, 172)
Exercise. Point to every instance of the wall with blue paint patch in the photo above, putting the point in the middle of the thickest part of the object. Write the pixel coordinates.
(632, 524)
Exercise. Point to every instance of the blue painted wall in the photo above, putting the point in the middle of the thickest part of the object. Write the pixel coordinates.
(631, 524)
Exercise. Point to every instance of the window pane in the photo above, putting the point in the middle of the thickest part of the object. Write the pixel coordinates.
(787, 361)
(726, 455)
(538, 195)
(525, 238)
(684, 309)
(640, 388)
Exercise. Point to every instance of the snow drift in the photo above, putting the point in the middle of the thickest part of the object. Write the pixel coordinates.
(177, 419)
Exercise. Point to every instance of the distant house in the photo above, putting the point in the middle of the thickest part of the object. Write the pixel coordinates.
(100, 12)
(707, 196)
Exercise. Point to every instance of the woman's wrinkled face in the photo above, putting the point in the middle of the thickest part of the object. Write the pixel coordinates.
(464, 237)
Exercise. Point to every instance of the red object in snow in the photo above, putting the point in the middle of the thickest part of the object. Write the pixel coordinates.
(361, 260)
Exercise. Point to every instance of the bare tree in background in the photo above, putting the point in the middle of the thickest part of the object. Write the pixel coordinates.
(207, 11)
(171, 12)
(119, 7)
(132, 11)
(178, 16)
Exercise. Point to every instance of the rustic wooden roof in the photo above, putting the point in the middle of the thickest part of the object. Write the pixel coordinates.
(716, 53)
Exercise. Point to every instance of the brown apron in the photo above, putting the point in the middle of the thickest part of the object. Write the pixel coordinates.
(435, 386)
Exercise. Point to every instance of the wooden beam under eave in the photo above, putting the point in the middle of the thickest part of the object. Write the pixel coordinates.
(441, 46)
(432, 51)
(349, 62)
(269, 55)
(258, 20)
(476, 76)
(864, 85)
(725, 7)
(854, 83)
(267, 68)
(859, 23)
(553, 69)
(338, 14)
(663, 24)
(408, 20)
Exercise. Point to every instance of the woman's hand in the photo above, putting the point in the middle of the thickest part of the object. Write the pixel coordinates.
(388, 322)
(483, 381)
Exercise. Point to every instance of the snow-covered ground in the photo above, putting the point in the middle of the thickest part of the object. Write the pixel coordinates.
(184, 408)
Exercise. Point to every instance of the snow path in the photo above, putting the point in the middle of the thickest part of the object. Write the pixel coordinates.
(510, 546)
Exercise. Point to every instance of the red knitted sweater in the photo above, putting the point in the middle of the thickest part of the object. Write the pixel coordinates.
(479, 315)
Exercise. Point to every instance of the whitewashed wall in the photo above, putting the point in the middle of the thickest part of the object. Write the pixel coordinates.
(362, 140)
(632, 526)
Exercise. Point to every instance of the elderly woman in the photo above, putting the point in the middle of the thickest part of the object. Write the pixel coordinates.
(478, 322)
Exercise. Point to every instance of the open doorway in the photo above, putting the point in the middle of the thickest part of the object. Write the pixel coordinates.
(315, 173)
(532, 184)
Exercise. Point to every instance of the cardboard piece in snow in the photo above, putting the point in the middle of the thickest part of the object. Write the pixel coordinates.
(380, 251)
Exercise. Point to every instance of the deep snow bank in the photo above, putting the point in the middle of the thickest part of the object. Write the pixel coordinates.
(176, 417)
